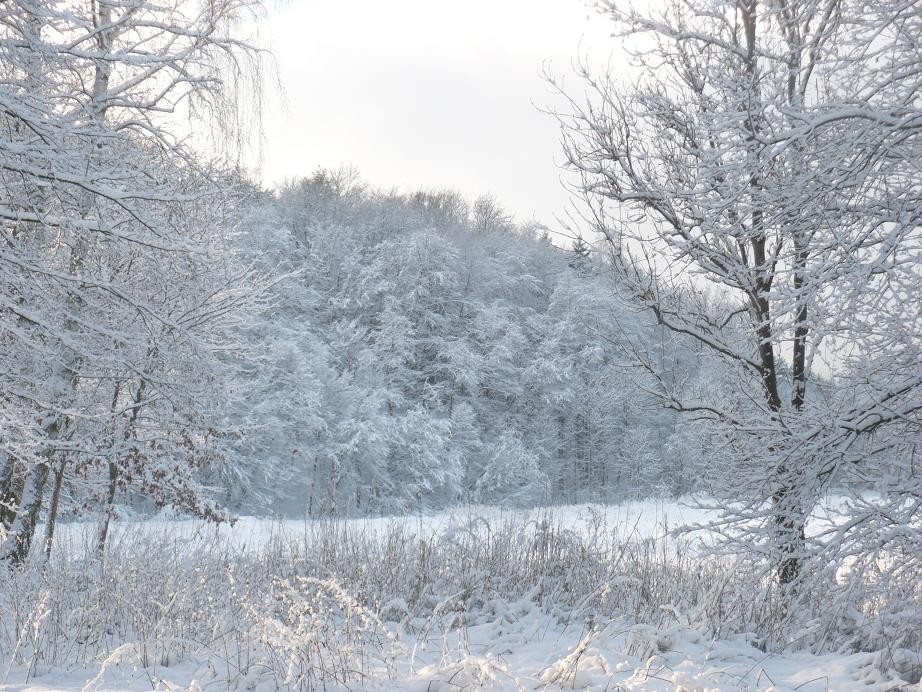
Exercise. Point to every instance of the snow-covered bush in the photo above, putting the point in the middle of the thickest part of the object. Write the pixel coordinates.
(338, 604)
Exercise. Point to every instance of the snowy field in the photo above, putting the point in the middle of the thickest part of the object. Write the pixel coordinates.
(583, 597)
(641, 519)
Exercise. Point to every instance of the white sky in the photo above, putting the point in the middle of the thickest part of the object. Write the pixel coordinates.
(427, 93)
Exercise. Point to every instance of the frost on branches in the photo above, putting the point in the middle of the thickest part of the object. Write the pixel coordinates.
(115, 283)
(423, 353)
(758, 185)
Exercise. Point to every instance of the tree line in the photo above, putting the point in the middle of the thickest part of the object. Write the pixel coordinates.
(424, 351)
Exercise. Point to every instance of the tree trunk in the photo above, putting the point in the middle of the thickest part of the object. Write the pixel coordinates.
(16, 544)
(102, 528)
(53, 510)
(790, 523)
(10, 491)
(790, 520)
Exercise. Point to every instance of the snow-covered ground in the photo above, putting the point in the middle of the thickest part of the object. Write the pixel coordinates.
(269, 605)
(653, 518)
(525, 651)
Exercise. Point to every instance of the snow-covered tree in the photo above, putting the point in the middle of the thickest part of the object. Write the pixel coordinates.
(513, 474)
(757, 185)
(414, 353)
(116, 279)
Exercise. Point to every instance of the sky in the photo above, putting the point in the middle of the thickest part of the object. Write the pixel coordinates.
(427, 93)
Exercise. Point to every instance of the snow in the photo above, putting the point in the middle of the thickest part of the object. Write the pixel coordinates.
(656, 518)
(524, 652)
(647, 518)
(501, 644)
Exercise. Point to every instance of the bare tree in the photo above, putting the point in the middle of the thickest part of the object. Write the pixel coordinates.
(757, 185)
(116, 278)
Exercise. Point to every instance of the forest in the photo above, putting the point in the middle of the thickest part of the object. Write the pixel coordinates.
(324, 435)
(422, 351)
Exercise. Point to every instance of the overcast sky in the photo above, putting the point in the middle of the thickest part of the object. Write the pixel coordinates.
(427, 93)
